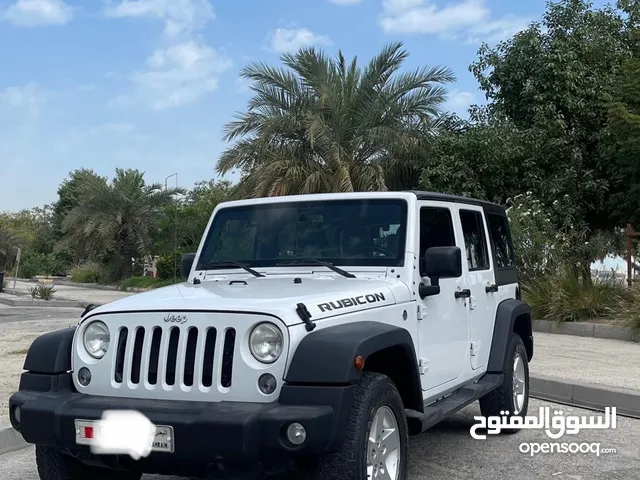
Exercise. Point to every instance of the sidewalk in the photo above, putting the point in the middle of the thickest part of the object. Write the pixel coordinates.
(586, 372)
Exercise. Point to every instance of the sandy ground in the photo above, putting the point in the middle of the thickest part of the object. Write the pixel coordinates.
(17, 331)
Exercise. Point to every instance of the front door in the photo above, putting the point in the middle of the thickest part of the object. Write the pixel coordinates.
(479, 270)
(443, 331)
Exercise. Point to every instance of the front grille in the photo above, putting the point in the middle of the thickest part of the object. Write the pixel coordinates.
(170, 355)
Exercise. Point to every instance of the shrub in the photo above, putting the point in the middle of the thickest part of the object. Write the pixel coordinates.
(90, 272)
(144, 282)
(33, 264)
(564, 297)
(165, 264)
(44, 292)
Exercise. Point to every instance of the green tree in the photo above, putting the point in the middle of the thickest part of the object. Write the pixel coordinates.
(193, 214)
(620, 148)
(71, 194)
(554, 81)
(120, 218)
(324, 125)
(8, 244)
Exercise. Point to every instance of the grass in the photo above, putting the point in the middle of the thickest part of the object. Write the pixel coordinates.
(144, 282)
(566, 298)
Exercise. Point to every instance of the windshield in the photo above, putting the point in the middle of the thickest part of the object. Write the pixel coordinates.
(342, 232)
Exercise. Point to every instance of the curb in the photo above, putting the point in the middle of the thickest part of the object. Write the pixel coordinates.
(583, 329)
(91, 286)
(11, 440)
(585, 395)
(21, 302)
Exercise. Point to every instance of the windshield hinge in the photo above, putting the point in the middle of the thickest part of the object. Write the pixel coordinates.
(305, 316)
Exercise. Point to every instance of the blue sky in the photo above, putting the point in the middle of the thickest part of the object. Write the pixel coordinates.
(149, 84)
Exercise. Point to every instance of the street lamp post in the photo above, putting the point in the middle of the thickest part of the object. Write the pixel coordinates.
(175, 231)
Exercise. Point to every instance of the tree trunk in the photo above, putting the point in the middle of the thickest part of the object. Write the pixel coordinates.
(586, 273)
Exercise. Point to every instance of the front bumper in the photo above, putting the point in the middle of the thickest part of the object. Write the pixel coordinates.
(205, 433)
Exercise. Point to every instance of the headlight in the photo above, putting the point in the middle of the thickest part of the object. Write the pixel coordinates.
(265, 342)
(96, 339)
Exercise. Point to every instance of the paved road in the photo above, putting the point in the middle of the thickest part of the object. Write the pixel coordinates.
(448, 451)
(21, 314)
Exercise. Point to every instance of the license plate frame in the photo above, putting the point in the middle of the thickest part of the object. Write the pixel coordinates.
(163, 440)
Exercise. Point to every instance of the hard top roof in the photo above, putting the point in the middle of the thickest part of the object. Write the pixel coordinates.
(445, 197)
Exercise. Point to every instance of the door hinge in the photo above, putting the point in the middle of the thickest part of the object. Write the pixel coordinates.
(419, 312)
(473, 349)
(472, 303)
(423, 365)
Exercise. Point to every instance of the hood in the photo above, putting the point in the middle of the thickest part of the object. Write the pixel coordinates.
(324, 296)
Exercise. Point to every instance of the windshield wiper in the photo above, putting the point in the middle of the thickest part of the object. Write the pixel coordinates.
(314, 261)
(230, 263)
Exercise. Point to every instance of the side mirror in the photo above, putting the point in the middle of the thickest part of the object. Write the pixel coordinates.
(440, 262)
(443, 262)
(185, 265)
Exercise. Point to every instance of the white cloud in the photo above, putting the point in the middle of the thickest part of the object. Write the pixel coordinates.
(459, 101)
(28, 98)
(179, 16)
(34, 13)
(180, 74)
(469, 19)
(346, 2)
(292, 39)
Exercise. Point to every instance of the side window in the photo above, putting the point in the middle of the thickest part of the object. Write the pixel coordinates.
(474, 240)
(499, 232)
(436, 230)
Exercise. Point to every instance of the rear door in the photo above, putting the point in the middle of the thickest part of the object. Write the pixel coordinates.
(480, 274)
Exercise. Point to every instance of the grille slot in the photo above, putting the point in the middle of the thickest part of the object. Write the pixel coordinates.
(154, 356)
(137, 355)
(172, 356)
(190, 357)
(227, 358)
(120, 352)
(209, 352)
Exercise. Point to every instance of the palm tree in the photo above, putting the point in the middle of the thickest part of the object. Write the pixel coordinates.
(119, 218)
(324, 125)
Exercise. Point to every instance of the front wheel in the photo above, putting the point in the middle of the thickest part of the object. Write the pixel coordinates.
(376, 438)
(53, 464)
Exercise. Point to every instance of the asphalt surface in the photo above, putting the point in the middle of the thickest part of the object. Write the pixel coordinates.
(18, 314)
(448, 451)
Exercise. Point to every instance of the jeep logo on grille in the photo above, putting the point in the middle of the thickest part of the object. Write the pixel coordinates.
(171, 318)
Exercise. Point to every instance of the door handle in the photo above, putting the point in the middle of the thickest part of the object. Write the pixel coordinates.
(491, 288)
(466, 293)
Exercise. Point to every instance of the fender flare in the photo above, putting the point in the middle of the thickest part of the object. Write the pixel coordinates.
(508, 313)
(326, 356)
(50, 353)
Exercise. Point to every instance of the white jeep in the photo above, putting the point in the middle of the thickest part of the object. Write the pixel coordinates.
(312, 332)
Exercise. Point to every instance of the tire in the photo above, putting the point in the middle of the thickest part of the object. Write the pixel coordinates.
(53, 464)
(376, 398)
(503, 399)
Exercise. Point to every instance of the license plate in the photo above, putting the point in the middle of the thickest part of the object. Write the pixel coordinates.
(163, 440)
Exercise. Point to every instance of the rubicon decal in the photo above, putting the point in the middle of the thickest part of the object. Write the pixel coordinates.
(351, 302)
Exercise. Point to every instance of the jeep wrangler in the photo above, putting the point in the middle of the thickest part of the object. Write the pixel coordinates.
(312, 332)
